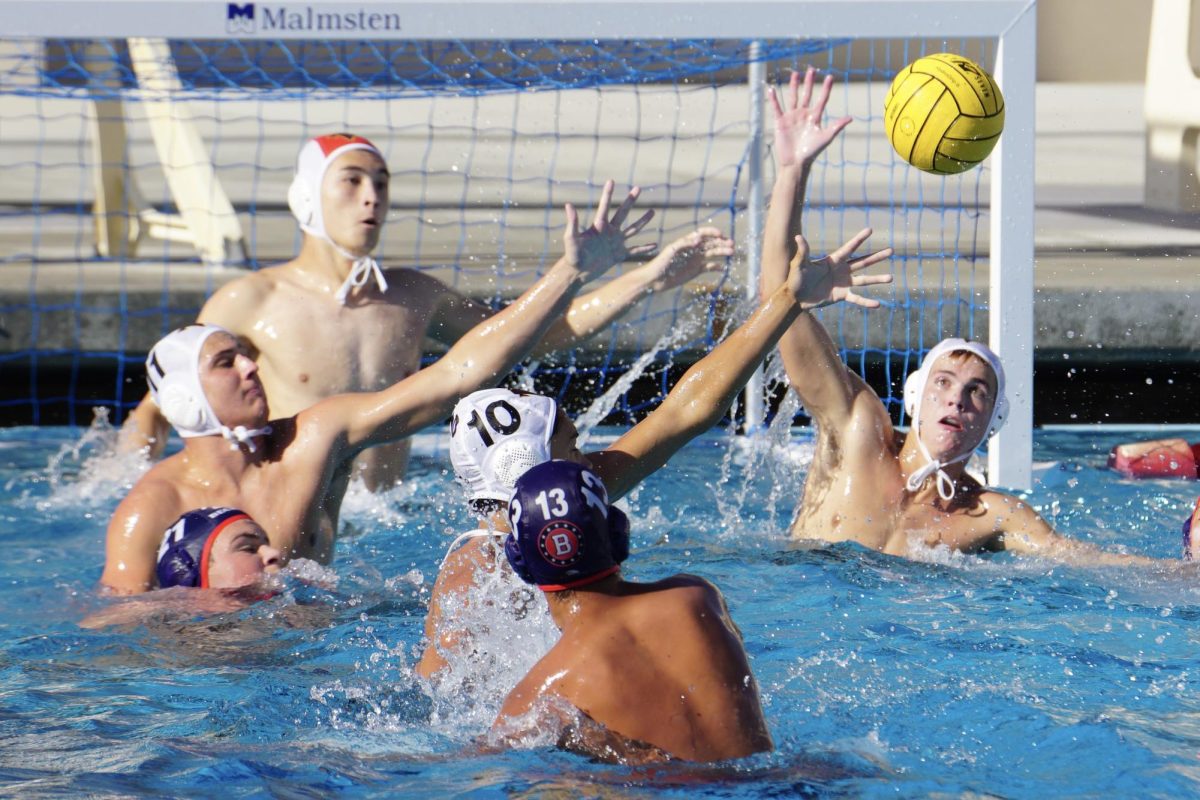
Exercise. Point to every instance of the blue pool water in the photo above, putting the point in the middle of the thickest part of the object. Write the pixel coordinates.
(880, 676)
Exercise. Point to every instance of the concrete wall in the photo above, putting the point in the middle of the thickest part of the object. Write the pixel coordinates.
(1097, 40)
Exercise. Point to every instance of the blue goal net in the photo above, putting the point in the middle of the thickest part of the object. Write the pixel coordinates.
(142, 174)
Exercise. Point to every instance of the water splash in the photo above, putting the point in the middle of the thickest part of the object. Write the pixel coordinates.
(92, 471)
(769, 458)
(510, 629)
(602, 405)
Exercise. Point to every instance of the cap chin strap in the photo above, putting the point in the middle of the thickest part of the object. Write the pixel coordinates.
(362, 268)
(360, 272)
(243, 435)
(945, 485)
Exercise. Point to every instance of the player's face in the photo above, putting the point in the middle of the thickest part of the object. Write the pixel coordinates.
(354, 196)
(230, 381)
(957, 405)
(564, 441)
(240, 555)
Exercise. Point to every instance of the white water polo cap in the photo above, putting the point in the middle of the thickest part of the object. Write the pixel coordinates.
(304, 199)
(914, 393)
(495, 436)
(173, 375)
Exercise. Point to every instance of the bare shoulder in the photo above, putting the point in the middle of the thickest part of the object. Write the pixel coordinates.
(239, 297)
(154, 494)
(688, 592)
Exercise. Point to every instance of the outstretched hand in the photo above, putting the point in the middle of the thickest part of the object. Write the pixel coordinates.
(799, 135)
(702, 250)
(604, 243)
(832, 279)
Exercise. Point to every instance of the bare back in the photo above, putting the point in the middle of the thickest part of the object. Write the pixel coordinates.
(311, 347)
(663, 666)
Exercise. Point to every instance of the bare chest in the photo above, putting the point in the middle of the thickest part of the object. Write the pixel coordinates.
(311, 349)
(295, 506)
(960, 527)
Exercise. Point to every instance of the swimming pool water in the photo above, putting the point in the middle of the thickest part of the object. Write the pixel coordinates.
(880, 676)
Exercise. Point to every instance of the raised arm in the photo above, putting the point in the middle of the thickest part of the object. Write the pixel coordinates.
(490, 349)
(827, 389)
(702, 396)
(702, 250)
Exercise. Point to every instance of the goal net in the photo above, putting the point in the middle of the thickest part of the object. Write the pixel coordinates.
(147, 149)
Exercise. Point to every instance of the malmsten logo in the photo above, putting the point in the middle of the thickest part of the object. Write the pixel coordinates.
(257, 17)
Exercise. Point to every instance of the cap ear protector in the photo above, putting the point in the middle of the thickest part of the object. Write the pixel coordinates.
(173, 377)
(516, 560)
(300, 200)
(179, 406)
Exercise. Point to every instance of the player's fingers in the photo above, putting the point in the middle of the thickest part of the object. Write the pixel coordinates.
(605, 199)
(823, 98)
(801, 246)
(618, 219)
(870, 260)
(775, 106)
(635, 227)
(809, 74)
(794, 88)
(852, 244)
(870, 280)
(859, 300)
(642, 250)
(838, 125)
(572, 220)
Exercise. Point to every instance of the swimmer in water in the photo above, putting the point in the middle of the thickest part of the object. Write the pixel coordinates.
(643, 671)
(215, 548)
(869, 483)
(371, 322)
(496, 434)
(291, 473)
(208, 548)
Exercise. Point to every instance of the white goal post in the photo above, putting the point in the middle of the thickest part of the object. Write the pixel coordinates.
(1011, 24)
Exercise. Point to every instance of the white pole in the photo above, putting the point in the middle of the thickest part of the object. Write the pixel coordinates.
(1010, 307)
(756, 208)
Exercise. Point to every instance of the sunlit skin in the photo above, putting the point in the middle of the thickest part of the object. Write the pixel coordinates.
(659, 664)
(295, 478)
(376, 338)
(696, 403)
(855, 487)
(354, 202)
(240, 556)
(957, 405)
(229, 378)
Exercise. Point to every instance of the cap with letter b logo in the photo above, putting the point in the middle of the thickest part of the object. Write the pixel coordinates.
(565, 533)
